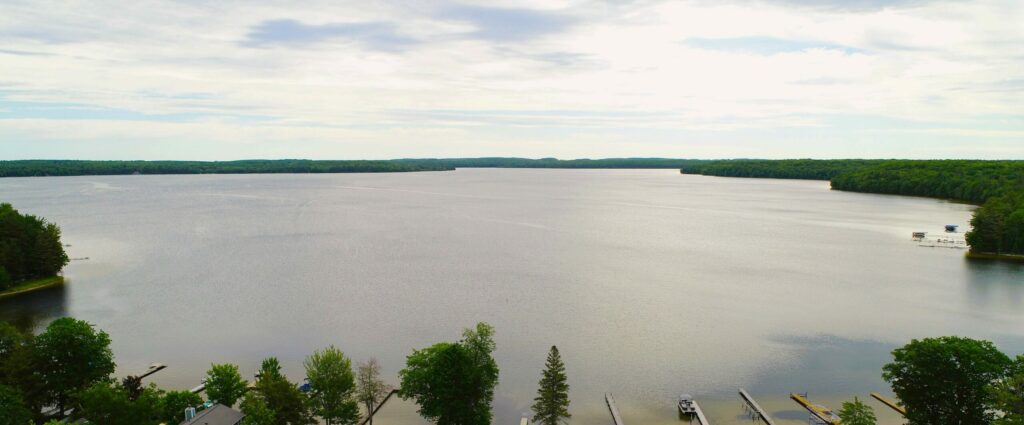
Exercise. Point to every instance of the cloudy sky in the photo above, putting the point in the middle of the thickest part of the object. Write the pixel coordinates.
(389, 79)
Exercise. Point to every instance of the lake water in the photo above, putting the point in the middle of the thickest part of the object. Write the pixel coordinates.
(651, 283)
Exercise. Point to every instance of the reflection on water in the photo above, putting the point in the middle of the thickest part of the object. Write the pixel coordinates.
(995, 283)
(651, 283)
(33, 310)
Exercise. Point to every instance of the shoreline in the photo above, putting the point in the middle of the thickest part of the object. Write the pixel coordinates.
(991, 256)
(33, 285)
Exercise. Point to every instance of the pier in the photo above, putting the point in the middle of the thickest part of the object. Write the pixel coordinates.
(891, 403)
(703, 420)
(381, 404)
(755, 409)
(614, 410)
(823, 413)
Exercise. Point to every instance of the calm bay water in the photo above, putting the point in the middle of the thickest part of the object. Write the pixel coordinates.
(651, 283)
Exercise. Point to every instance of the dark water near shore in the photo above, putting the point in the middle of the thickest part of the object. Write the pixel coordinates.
(650, 282)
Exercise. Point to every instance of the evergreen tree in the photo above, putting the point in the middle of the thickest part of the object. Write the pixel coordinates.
(857, 413)
(552, 403)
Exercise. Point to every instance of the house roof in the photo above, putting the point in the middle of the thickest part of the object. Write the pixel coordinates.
(219, 414)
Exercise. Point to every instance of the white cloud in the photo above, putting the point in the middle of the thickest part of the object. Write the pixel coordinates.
(591, 79)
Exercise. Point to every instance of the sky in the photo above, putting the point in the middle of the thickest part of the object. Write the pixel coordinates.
(199, 80)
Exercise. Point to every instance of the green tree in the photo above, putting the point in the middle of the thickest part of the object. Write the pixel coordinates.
(279, 396)
(12, 407)
(551, 406)
(110, 404)
(453, 383)
(857, 413)
(1009, 395)
(17, 367)
(256, 410)
(371, 389)
(946, 380)
(173, 405)
(71, 356)
(332, 386)
(224, 384)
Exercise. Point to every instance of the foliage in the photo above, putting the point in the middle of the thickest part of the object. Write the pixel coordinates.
(173, 404)
(333, 386)
(256, 410)
(287, 406)
(370, 388)
(998, 225)
(453, 383)
(12, 407)
(104, 403)
(29, 168)
(71, 356)
(552, 403)
(857, 413)
(224, 384)
(946, 380)
(30, 248)
(1009, 395)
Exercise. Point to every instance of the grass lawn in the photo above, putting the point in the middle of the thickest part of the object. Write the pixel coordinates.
(32, 285)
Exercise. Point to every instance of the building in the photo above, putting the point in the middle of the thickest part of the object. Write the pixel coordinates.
(219, 414)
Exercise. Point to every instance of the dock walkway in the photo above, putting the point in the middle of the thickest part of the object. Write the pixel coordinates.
(616, 417)
(891, 403)
(757, 410)
(700, 414)
(823, 413)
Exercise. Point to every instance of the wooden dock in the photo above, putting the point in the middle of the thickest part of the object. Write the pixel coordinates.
(376, 409)
(891, 403)
(700, 414)
(153, 368)
(616, 417)
(755, 408)
(823, 413)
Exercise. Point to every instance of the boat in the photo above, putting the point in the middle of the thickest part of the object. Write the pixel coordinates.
(686, 404)
(918, 235)
(951, 228)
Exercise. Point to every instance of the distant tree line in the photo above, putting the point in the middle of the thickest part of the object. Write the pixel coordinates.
(30, 248)
(33, 168)
(998, 186)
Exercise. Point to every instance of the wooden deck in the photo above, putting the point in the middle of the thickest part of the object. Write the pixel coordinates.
(891, 403)
(616, 417)
(821, 412)
(758, 411)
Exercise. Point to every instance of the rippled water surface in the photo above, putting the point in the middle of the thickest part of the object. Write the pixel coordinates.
(650, 282)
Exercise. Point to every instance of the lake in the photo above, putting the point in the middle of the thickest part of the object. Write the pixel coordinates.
(651, 283)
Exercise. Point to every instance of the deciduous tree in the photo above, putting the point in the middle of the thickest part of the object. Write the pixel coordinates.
(71, 356)
(224, 384)
(371, 389)
(857, 413)
(332, 386)
(946, 380)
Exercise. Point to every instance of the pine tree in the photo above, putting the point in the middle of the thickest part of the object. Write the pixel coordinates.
(552, 403)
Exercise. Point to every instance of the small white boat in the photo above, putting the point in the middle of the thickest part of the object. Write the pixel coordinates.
(686, 404)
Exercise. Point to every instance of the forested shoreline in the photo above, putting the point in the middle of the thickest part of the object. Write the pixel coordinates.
(997, 186)
(30, 248)
(43, 167)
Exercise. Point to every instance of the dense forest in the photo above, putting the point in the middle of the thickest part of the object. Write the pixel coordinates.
(31, 168)
(998, 186)
(30, 248)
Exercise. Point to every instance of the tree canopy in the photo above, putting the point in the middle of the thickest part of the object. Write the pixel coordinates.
(70, 356)
(332, 386)
(224, 384)
(30, 247)
(453, 383)
(946, 380)
(857, 413)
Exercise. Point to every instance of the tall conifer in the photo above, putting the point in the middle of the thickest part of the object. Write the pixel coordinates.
(551, 406)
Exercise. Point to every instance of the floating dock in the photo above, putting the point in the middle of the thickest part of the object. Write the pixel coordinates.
(153, 368)
(823, 413)
(891, 403)
(755, 408)
(616, 417)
